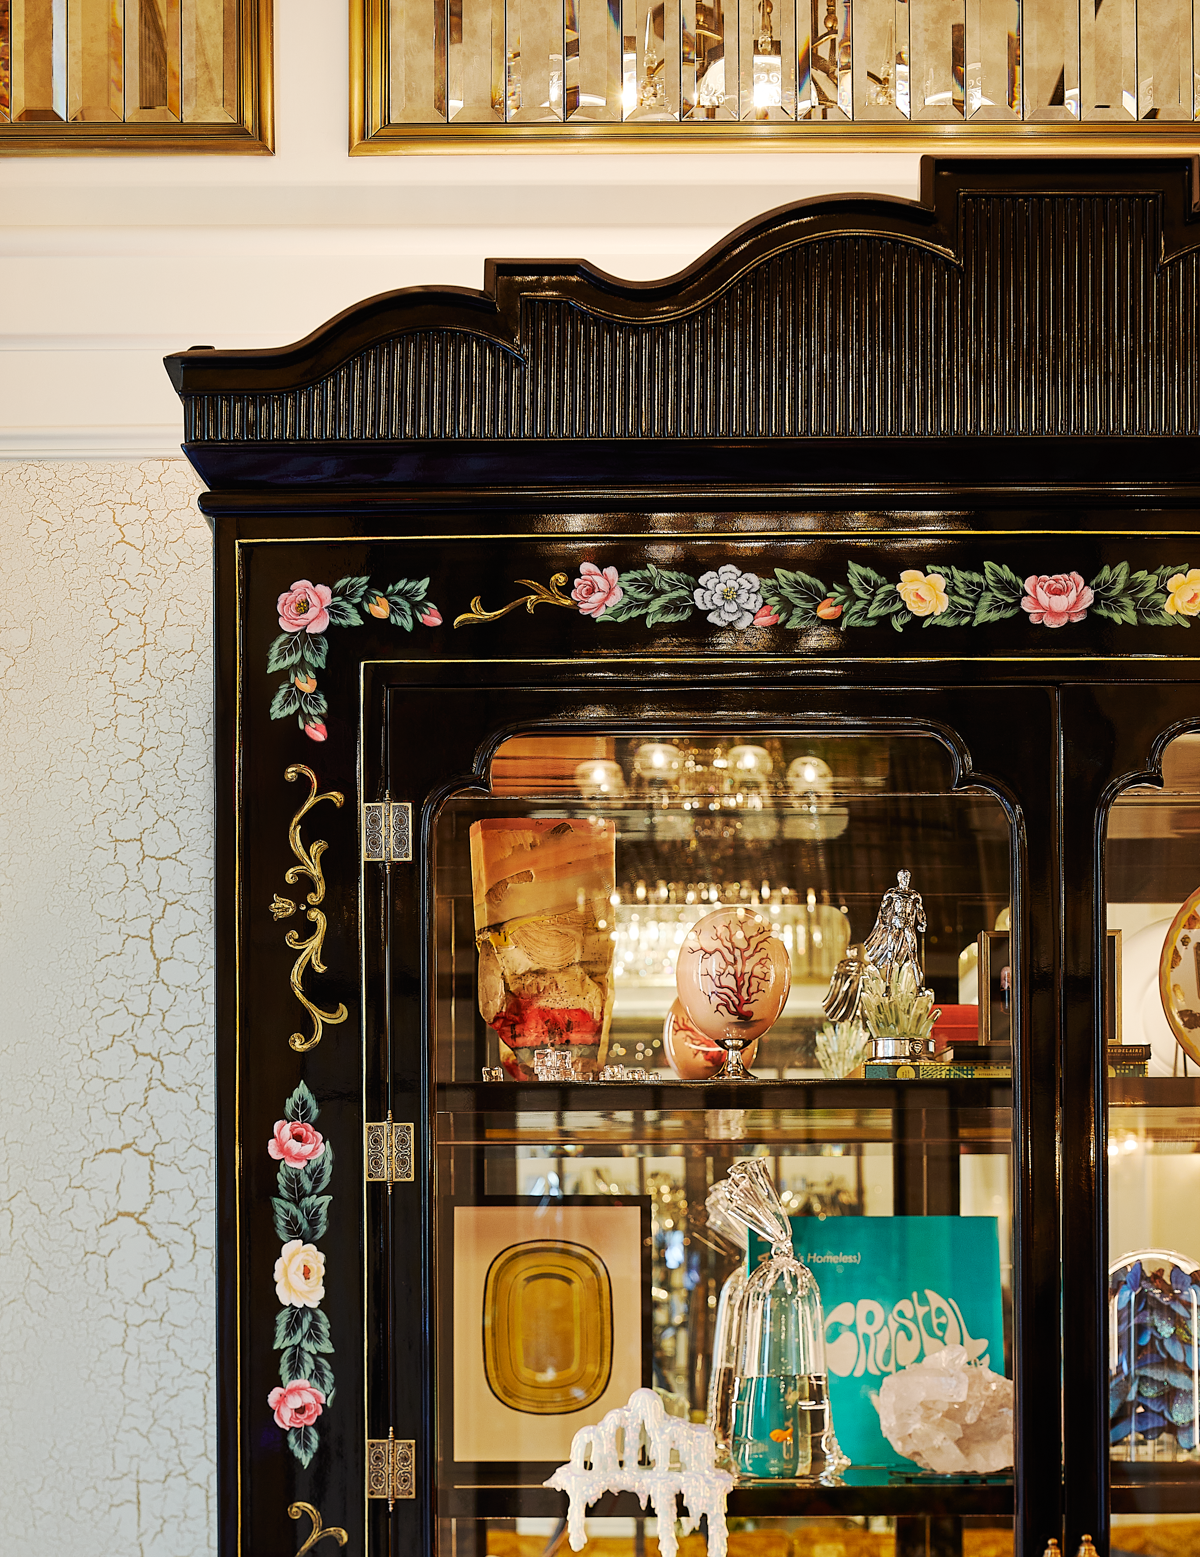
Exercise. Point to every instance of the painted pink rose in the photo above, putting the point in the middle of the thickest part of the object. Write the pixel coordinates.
(1056, 598)
(431, 616)
(295, 1143)
(316, 731)
(765, 617)
(298, 1404)
(304, 607)
(596, 589)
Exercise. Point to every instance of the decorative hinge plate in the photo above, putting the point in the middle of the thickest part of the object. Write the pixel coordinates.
(387, 831)
(391, 1468)
(389, 1153)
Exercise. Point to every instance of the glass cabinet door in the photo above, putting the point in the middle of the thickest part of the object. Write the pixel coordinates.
(579, 1118)
(1152, 1035)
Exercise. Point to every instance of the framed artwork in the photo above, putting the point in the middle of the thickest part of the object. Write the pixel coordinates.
(143, 76)
(995, 988)
(795, 74)
(551, 1323)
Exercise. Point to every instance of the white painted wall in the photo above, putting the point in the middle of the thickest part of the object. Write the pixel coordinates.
(106, 1316)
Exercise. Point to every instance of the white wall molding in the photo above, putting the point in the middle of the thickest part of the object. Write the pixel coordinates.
(91, 443)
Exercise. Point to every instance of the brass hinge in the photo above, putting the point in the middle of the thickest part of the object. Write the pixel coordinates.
(389, 1153)
(391, 1468)
(387, 831)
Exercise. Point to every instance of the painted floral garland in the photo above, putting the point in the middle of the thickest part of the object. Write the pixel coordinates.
(306, 610)
(302, 1336)
(957, 597)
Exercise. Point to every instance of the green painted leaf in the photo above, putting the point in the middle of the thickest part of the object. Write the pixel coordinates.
(1157, 616)
(863, 581)
(625, 610)
(855, 615)
(290, 1221)
(637, 585)
(343, 613)
(1003, 583)
(898, 623)
(885, 602)
(315, 1211)
(285, 651)
(318, 1332)
(315, 1176)
(994, 608)
(965, 586)
(313, 706)
(296, 1362)
(413, 589)
(402, 614)
(314, 649)
(321, 1377)
(1117, 609)
(301, 1107)
(668, 581)
(286, 701)
(303, 1441)
(668, 608)
(1167, 573)
(953, 616)
(794, 597)
(1111, 580)
(292, 1325)
(351, 589)
(292, 1184)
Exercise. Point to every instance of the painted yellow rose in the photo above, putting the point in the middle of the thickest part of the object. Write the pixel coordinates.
(923, 593)
(1184, 596)
(300, 1274)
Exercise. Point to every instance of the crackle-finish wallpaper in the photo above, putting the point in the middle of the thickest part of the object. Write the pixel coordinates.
(106, 1238)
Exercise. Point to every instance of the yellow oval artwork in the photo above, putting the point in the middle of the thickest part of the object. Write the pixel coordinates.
(1179, 977)
(547, 1327)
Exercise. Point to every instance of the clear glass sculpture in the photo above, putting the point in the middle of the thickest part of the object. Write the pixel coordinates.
(782, 1422)
(727, 1332)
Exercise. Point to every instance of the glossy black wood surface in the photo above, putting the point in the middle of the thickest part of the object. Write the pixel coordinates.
(1004, 372)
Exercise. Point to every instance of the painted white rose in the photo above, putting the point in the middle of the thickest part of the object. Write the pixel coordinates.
(300, 1274)
(730, 597)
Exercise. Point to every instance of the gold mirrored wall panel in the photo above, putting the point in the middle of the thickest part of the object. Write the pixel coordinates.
(96, 75)
(693, 71)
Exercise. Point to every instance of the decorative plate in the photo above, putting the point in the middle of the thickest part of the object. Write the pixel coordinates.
(1179, 977)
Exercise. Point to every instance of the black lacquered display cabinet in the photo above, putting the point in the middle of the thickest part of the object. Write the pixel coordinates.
(861, 547)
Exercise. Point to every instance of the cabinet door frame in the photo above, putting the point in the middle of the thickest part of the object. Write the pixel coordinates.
(476, 706)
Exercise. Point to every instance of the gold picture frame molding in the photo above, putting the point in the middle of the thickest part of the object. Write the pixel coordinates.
(371, 133)
(252, 134)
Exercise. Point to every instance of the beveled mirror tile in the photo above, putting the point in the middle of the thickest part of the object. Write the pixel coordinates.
(534, 51)
(1164, 44)
(993, 62)
(830, 71)
(651, 64)
(937, 59)
(95, 60)
(209, 61)
(704, 91)
(417, 60)
(475, 69)
(39, 61)
(1108, 58)
(5, 64)
(1050, 60)
(881, 29)
(593, 60)
(767, 52)
(153, 59)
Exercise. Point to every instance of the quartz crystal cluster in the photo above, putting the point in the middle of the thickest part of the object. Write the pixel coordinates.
(949, 1415)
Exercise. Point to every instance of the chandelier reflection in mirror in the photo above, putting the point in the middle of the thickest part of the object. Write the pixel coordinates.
(696, 63)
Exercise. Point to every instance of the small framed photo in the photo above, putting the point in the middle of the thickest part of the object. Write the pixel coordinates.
(995, 987)
(551, 1322)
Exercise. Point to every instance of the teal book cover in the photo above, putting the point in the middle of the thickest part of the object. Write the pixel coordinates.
(894, 1290)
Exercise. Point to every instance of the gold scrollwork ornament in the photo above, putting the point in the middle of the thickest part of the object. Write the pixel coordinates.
(310, 950)
(318, 1531)
(541, 596)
